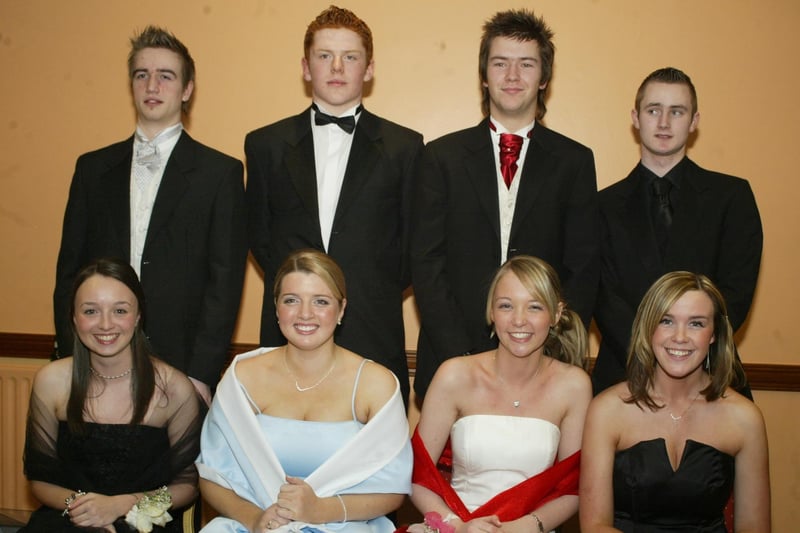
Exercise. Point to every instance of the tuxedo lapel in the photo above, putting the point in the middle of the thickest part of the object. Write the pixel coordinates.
(173, 184)
(118, 201)
(482, 173)
(299, 157)
(361, 162)
(538, 169)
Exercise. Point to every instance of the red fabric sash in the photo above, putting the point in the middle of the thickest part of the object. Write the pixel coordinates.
(558, 480)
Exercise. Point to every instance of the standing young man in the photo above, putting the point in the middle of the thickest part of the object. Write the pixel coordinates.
(337, 178)
(670, 214)
(505, 187)
(170, 206)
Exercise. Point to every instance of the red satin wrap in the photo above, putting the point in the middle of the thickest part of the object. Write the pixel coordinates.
(558, 480)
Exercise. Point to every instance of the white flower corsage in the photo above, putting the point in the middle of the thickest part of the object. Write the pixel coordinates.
(150, 509)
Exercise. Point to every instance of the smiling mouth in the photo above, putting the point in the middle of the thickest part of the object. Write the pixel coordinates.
(678, 353)
(306, 328)
(107, 339)
(520, 336)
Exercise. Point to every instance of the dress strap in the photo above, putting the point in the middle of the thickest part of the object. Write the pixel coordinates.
(355, 388)
(249, 399)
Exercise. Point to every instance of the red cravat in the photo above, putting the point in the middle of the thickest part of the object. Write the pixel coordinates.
(510, 146)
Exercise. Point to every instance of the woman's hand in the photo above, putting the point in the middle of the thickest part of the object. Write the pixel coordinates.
(268, 520)
(484, 524)
(97, 510)
(297, 501)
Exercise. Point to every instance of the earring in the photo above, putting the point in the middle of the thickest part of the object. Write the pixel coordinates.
(339, 322)
(708, 360)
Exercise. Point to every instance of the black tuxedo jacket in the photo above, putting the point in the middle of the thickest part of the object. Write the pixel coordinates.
(194, 254)
(716, 231)
(455, 247)
(370, 227)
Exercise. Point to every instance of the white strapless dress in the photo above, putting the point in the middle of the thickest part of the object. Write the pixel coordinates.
(492, 453)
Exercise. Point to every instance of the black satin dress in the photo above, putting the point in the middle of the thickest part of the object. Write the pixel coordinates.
(651, 497)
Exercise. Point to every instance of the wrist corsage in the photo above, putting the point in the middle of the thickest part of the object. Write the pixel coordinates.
(150, 509)
(434, 523)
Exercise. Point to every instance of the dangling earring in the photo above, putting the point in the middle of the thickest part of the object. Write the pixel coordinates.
(708, 359)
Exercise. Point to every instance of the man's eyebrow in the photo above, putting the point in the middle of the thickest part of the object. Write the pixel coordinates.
(168, 70)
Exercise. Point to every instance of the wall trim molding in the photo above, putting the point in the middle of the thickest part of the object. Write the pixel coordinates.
(762, 376)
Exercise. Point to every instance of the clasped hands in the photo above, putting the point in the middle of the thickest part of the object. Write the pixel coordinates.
(296, 502)
(97, 510)
(484, 524)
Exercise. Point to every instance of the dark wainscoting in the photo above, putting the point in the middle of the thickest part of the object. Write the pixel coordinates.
(762, 376)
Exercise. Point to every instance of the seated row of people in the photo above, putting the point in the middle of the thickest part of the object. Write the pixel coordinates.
(312, 437)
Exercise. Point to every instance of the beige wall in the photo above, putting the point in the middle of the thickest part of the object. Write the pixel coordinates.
(63, 91)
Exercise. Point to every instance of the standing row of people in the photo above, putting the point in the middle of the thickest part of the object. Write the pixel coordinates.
(393, 212)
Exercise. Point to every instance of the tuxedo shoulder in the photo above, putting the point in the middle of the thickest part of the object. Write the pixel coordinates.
(209, 153)
(615, 189)
(397, 130)
(112, 150)
(713, 178)
(557, 141)
(279, 129)
(467, 136)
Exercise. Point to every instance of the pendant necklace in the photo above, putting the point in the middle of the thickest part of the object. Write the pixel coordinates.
(679, 417)
(515, 403)
(304, 389)
(99, 375)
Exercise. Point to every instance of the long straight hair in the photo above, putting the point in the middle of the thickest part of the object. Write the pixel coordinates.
(142, 374)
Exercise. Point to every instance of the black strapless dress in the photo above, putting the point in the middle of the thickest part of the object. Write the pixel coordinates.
(651, 497)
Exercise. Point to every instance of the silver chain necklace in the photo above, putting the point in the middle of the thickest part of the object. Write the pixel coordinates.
(103, 376)
(515, 403)
(679, 417)
(304, 389)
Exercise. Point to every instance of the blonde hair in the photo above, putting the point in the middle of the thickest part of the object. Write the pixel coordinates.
(567, 340)
(310, 261)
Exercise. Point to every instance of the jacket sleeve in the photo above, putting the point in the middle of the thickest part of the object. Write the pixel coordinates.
(227, 256)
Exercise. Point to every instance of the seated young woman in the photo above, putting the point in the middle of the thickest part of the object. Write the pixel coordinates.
(514, 415)
(307, 436)
(660, 450)
(112, 429)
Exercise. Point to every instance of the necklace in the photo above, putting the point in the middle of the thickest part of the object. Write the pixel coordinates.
(304, 389)
(515, 403)
(99, 375)
(679, 417)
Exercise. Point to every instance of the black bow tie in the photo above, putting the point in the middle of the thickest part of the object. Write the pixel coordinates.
(348, 123)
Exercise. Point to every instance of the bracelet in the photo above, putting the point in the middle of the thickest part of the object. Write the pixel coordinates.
(71, 498)
(538, 522)
(344, 508)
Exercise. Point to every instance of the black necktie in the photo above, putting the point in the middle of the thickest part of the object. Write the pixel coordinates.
(663, 209)
(348, 123)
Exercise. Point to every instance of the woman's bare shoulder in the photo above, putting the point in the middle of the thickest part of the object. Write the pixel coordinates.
(740, 411)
